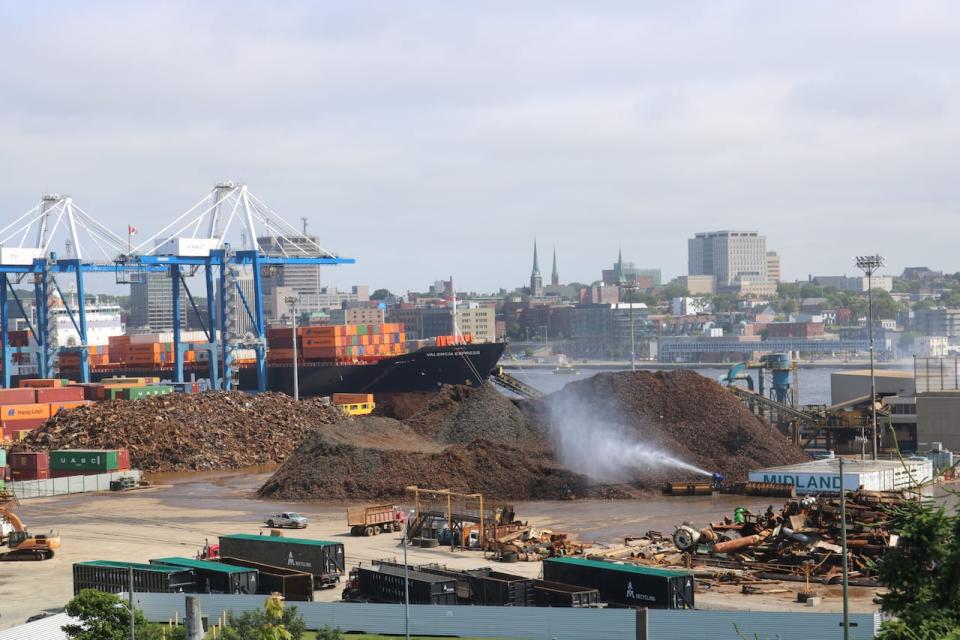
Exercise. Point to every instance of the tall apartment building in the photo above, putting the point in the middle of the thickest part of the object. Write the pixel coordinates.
(303, 279)
(773, 267)
(151, 302)
(731, 257)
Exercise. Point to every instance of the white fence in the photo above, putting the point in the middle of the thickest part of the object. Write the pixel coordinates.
(25, 489)
(536, 623)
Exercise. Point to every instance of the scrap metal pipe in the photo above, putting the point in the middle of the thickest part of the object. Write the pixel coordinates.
(737, 543)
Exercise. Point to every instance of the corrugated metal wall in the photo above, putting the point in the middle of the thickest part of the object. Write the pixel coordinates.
(527, 623)
(535, 623)
(71, 484)
(766, 625)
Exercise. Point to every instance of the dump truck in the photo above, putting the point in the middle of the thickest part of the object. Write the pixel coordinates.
(369, 520)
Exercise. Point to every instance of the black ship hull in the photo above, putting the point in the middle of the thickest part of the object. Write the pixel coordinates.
(426, 369)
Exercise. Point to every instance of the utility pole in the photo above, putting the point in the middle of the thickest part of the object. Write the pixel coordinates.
(406, 579)
(133, 632)
(869, 264)
(843, 550)
(292, 302)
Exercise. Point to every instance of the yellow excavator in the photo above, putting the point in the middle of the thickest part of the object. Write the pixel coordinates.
(20, 543)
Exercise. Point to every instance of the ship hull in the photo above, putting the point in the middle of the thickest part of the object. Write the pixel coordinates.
(426, 369)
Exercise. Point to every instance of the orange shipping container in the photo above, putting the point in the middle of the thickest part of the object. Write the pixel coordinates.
(24, 412)
(55, 407)
(351, 398)
(42, 383)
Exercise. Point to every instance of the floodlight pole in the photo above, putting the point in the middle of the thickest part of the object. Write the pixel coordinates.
(869, 264)
(292, 302)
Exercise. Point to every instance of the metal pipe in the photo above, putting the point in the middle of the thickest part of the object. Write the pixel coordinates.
(737, 543)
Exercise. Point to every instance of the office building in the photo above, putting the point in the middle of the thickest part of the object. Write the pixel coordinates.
(731, 257)
(773, 267)
(939, 321)
(151, 302)
(629, 275)
(303, 279)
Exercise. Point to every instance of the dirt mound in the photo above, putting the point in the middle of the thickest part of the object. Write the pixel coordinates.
(460, 415)
(664, 425)
(323, 470)
(677, 414)
(180, 432)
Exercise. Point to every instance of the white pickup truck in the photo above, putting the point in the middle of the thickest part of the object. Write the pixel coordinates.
(286, 519)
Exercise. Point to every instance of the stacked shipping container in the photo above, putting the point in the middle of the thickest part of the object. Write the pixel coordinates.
(338, 343)
(26, 408)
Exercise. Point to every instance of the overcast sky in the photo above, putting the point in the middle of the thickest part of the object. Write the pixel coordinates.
(434, 138)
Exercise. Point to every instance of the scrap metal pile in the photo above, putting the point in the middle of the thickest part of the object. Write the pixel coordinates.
(801, 541)
(533, 544)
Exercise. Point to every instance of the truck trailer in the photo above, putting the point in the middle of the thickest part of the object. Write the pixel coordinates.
(623, 584)
(323, 560)
(215, 577)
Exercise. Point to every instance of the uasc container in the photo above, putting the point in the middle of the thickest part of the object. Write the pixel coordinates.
(84, 460)
(324, 560)
(624, 584)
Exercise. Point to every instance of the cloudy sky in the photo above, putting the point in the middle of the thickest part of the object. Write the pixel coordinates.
(434, 138)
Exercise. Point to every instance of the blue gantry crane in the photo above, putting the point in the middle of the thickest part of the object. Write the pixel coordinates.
(194, 241)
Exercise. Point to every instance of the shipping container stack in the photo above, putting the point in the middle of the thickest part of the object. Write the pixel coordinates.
(27, 407)
(349, 343)
(85, 462)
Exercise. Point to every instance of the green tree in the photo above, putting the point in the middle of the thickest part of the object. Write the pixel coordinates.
(273, 622)
(671, 290)
(381, 294)
(788, 290)
(104, 616)
(922, 575)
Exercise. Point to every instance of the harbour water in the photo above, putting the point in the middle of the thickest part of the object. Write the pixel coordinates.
(812, 383)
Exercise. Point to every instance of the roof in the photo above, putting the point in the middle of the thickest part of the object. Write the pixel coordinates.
(205, 565)
(277, 539)
(850, 465)
(112, 564)
(48, 628)
(879, 373)
(618, 566)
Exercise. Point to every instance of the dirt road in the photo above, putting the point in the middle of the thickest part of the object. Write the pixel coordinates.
(174, 519)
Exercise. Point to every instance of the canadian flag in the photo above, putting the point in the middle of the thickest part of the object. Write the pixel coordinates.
(131, 231)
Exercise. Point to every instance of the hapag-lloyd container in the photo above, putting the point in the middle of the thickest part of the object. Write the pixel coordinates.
(84, 460)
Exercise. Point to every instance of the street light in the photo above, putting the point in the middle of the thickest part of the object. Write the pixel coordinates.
(292, 302)
(869, 264)
(406, 579)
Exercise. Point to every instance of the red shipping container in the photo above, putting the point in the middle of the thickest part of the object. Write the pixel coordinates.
(30, 474)
(61, 394)
(65, 473)
(10, 426)
(29, 460)
(123, 459)
(17, 396)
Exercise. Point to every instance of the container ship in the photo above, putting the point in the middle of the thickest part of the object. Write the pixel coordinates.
(358, 358)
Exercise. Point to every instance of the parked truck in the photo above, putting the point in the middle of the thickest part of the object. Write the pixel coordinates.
(370, 520)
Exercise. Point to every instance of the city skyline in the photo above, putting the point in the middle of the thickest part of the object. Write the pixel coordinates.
(390, 127)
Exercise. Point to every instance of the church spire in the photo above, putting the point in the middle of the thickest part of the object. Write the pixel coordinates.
(555, 274)
(621, 278)
(536, 281)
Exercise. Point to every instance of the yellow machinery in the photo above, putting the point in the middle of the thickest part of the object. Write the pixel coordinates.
(21, 544)
(358, 408)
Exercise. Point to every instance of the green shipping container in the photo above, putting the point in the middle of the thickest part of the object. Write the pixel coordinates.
(135, 393)
(114, 394)
(84, 460)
